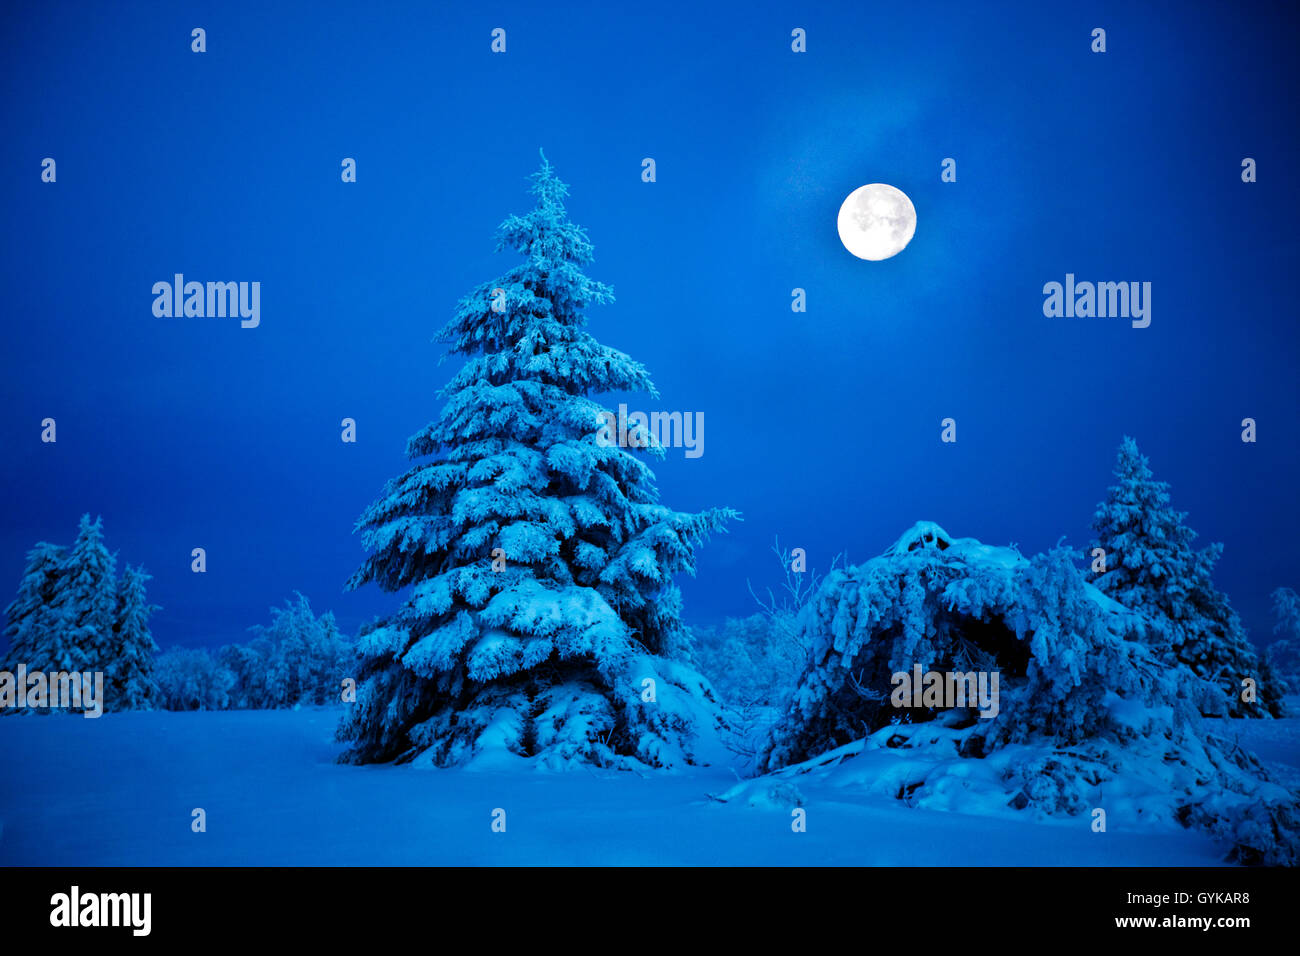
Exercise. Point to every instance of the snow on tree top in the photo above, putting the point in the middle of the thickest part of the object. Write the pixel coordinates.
(923, 534)
(929, 536)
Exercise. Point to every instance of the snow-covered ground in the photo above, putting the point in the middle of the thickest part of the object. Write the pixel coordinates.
(120, 790)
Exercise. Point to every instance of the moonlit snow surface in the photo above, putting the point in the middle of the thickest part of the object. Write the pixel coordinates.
(876, 221)
(270, 778)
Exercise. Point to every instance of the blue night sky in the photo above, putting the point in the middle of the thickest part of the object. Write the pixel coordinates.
(821, 427)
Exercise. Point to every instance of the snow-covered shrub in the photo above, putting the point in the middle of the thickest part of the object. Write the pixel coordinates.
(747, 661)
(752, 668)
(299, 659)
(955, 605)
(1086, 708)
(540, 617)
(753, 662)
(781, 607)
(191, 680)
(1283, 658)
(1260, 834)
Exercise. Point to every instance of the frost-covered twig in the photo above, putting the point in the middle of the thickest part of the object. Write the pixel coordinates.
(866, 693)
(799, 588)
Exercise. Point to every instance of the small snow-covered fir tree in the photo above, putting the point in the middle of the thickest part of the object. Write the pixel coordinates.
(1286, 608)
(1152, 568)
(1283, 655)
(87, 601)
(36, 612)
(129, 668)
(539, 561)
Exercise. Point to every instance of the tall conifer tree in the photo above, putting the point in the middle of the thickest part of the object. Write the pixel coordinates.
(34, 612)
(129, 670)
(87, 602)
(541, 617)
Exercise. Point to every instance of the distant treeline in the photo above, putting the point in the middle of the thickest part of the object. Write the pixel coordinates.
(299, 659)
(73, 613)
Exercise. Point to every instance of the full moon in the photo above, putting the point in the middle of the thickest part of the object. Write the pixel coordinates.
(876, 221)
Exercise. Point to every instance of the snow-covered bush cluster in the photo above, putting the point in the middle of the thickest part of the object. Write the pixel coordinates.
(754, 662)
(540, 617)
(73, 613)
(299, 659)
(1090, 714)
(748, 661)
(192, 679)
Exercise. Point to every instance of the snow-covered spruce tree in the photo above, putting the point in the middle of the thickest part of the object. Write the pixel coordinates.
(87, 602)
(128, 671)
(538, 560)
(1152, 568)
(36, 611)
